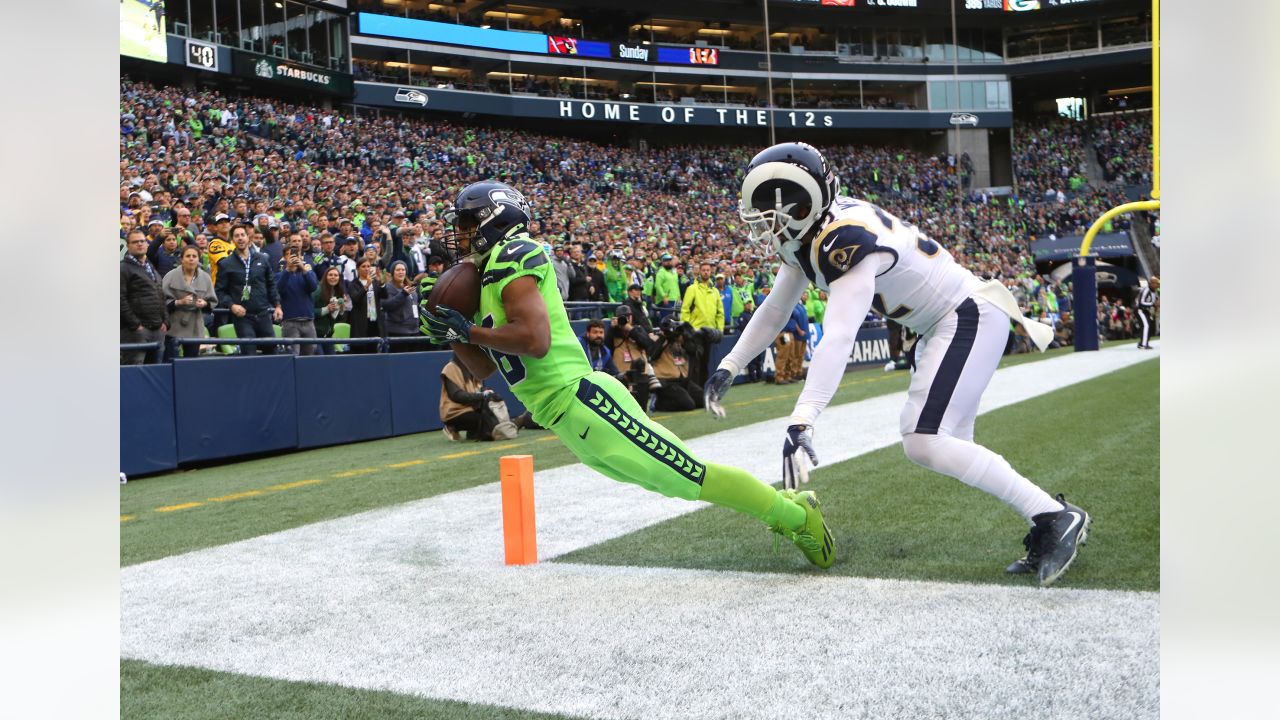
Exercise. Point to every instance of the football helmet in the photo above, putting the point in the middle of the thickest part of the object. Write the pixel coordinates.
(484, 214)
(786, 191)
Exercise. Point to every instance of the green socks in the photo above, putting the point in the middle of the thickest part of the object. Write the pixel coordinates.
(739, 490)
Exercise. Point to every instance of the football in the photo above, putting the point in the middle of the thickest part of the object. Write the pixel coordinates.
(457, 288)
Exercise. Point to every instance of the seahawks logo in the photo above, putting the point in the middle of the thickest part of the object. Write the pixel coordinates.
(406, 95)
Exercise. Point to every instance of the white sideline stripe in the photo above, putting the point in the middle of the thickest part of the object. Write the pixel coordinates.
(414, 599)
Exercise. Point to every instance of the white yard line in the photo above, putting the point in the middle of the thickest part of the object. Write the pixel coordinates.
(414, 599)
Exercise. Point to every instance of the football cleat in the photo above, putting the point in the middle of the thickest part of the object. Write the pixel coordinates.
(1021, 566)
(1053, 542)
(814, 539)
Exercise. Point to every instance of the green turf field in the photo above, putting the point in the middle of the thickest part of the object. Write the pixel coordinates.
(1098, 443)
(181, 693)
(188, 510)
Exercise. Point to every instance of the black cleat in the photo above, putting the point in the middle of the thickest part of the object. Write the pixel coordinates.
(1021, 566)
(1053, 542)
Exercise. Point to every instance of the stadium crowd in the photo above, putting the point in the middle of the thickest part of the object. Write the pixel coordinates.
(341, 202)
(1122, 144)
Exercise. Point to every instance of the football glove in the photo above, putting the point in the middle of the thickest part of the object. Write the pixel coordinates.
(446, 326)
(795, 466)
(714, 391)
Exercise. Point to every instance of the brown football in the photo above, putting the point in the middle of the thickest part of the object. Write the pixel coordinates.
(457, 288)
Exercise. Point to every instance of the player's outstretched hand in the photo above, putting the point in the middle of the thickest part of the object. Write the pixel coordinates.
(446, 325)
(795, 465)
(714, 391)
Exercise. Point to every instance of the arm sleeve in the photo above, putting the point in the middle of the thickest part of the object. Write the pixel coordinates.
(848, 304)
(206, 290)
(222, 289)
(396, 299)
(458, 395)
(641, 338)
(127, 317)
(768, 321)
(273, 290)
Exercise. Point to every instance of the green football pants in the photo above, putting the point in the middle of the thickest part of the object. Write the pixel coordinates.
(609, 432)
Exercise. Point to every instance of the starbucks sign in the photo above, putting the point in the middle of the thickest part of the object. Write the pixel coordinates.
(287, 72)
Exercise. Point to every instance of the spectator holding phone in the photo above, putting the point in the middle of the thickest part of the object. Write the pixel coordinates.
(297, 284)
(331, 304)
(163, 251)
(189, 298)
(401, 308)
(365, 294)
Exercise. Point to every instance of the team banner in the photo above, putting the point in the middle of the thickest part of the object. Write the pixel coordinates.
(384, 95)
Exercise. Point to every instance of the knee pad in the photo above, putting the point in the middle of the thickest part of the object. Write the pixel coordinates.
(922, 449)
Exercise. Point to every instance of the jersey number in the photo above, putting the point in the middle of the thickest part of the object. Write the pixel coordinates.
(511, 367)
(926, 246)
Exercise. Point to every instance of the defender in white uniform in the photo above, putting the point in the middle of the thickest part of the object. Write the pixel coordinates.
(866, 258)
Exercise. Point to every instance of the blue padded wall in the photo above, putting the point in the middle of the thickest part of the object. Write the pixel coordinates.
(230, 407)
(415, 391)
(148, 436)
(342, 399)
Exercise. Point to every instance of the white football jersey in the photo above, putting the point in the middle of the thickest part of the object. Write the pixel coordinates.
(918, 282)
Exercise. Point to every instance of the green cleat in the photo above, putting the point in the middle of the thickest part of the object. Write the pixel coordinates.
(814, 539)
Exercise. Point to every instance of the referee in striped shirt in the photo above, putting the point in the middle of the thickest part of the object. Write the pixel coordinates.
(1146, 303)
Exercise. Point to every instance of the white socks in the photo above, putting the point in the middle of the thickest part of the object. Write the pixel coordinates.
(981, 468)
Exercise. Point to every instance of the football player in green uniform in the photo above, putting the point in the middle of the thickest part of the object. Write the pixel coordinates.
(522, 331)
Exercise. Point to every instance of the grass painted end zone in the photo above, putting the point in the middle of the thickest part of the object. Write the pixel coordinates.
(1096, 442)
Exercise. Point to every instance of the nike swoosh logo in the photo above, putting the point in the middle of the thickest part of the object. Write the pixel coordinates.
(512, 250)
(1075, 520)
(583, 436)
(830, 243)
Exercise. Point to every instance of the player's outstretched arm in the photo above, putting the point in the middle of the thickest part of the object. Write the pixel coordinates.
(528, 328)
(850, 300)
(758, 335)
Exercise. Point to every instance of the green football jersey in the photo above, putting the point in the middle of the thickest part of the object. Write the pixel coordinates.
(537, 382)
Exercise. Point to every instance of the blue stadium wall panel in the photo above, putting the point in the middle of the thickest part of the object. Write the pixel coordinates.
(148, 435)
(332, 409)
(231, 407)
(415, 391)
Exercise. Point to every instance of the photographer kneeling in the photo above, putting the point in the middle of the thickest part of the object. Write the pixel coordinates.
(670, 358)
(466, 404)
(629, 347)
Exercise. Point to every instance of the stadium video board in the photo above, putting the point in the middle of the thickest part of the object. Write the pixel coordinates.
(515, 41)
(689, 56)
(1021, 5)
(142, 30)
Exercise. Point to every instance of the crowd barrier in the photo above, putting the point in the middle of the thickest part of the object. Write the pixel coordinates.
(195, 410)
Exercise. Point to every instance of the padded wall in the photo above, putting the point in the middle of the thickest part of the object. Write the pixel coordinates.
(148, 436)
(226, 407)
(342, 399)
